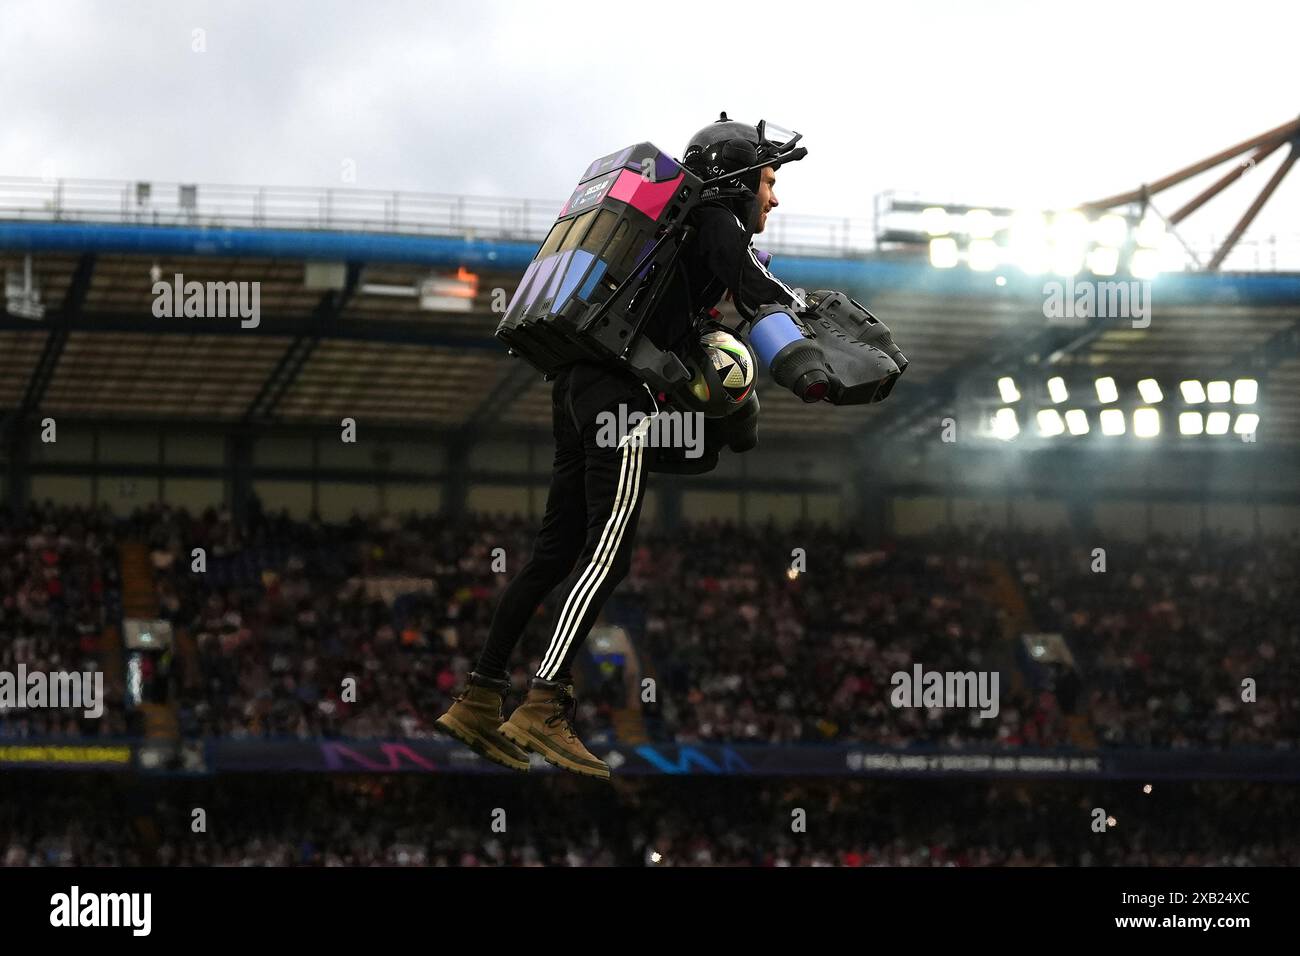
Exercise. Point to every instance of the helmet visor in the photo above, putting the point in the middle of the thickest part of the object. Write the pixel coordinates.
(774, 140)
(770, 133)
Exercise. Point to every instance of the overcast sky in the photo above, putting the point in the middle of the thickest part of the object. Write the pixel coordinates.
(1018, 103)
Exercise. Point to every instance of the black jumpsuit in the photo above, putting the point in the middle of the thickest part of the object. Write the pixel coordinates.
(585, 541)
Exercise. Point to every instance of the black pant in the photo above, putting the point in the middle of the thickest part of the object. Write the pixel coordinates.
(597, 487)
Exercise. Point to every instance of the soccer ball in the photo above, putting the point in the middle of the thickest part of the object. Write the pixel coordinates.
(722, 374)
(733, 363)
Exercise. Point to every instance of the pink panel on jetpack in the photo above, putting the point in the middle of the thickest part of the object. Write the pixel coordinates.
(649, 198)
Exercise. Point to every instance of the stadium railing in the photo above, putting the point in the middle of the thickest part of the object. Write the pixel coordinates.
(349, 209)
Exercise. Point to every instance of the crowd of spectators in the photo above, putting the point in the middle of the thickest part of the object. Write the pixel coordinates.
(59, 589)
(417, 820)
(757, 642)
(752, 633)
(1187, 642)
(744, 650)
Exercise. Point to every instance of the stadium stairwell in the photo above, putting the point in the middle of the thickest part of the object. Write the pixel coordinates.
(629, 726)
(629, 720)
(187, 656)
(611, 643)
(1017, 621)
(141, 601)
(138, 597)
(110, 658)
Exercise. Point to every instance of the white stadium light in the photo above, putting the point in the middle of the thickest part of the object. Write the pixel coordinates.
(1056, 389)
(1218, 392)
(1145, 263)
(984, 255)
(1077, 419)
(1190, 423)
(1247, 422)
(934, 220)
(1110, 230)
(1149, 389)
(1103, 261)
(1067, 260)
(980, 224)
(1049, 423)
(1070, 228)
(1106, 390)
(1005, 425)
(1007, 389)
(1069, 235)
(1216, 423)
(1112, 421)
(1027, 244)
(1032, 260)
(1193, 393)
(1146, 422)
(1245, 391)
(943, 252)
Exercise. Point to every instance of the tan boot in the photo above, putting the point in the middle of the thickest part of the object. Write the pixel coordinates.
(474, 718)
(543, 723)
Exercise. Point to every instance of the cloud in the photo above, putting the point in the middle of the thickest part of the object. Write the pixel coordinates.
(1007, 103)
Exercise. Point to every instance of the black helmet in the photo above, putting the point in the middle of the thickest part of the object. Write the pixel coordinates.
(726, 145)
(722, 146)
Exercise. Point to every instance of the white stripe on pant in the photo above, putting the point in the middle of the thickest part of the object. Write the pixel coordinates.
(579, 599)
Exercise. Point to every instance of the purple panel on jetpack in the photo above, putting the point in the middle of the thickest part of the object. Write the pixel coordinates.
(561, 265)
(539, 283)
(665, 167)
(523, 284)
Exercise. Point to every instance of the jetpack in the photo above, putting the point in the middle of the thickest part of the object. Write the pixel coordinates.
(607, 260)
(604, 267)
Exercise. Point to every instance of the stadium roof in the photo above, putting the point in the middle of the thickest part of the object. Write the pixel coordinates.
(367, 348)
